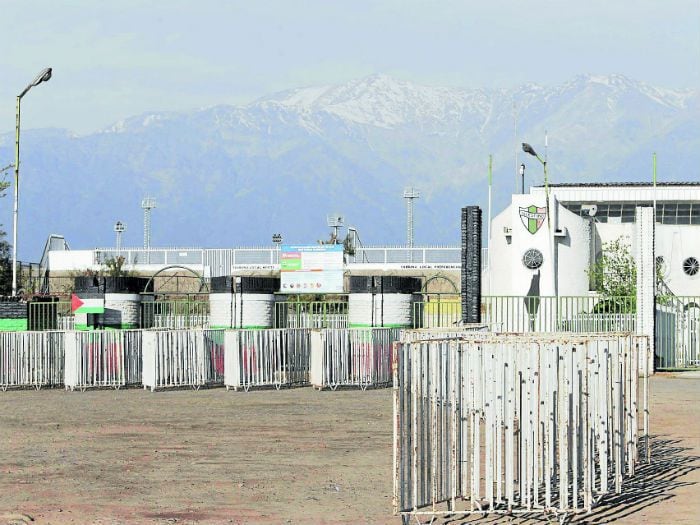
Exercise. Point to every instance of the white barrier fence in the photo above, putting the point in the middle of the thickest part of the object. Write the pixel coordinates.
(427, 334)
(31, 359)
(536, 423)
(266, 358)
(352, 357)
(181, 358)
(102, 358)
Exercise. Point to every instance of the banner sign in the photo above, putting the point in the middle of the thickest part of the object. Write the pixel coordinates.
(312, 269)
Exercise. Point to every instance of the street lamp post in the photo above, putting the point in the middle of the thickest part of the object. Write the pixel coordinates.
(531, 151)
(43, 76)
(522, 179)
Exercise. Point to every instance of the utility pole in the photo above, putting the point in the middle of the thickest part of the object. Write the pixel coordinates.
(410, 194)
(148, 203)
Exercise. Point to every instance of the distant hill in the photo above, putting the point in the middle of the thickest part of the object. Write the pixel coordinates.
(228, 176)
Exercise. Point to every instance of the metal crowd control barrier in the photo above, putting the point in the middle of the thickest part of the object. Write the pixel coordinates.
(357, 357)
(408, 336)
(103, 358)
(266, 358)
(31, 359)
(180, 358)
(510, 424)
(315, 314)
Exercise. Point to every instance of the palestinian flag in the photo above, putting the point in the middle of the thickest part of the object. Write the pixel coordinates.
(87, 306)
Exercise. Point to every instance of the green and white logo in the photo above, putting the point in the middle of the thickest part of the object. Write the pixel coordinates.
(533, 217)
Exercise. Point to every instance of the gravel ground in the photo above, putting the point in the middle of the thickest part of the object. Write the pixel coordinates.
(293, 456)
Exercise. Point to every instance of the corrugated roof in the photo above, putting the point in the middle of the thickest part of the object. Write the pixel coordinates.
(616, 184)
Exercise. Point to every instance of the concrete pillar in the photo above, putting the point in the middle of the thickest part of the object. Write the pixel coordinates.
(644, 229)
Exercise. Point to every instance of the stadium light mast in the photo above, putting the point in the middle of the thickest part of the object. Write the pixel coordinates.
(119, 228)
(410, 194)
(148, 203)
(43, 76)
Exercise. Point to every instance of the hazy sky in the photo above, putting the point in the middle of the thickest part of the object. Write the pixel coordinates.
(116, 59)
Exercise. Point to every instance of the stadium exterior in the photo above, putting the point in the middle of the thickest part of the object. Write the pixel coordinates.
(581, 218)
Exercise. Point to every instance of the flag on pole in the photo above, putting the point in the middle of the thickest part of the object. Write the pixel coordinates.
(80, 305)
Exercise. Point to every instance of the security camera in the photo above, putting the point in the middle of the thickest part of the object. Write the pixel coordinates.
(589, 209)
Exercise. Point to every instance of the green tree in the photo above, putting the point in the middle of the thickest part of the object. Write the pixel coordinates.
(5, 255)
(615, 276)
(114, 267)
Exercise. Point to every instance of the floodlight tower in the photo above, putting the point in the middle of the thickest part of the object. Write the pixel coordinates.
(410, 194)
(335, 221)
(119, 228)
(148, 203)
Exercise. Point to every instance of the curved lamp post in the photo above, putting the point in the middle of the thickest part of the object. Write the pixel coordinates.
(43, 76)
(531, 151)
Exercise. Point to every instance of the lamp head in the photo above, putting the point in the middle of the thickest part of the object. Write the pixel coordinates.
(44, 76)
(529, 149)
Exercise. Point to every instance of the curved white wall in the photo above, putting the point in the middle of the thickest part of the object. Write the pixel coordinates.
(243, 310)
(389, 309)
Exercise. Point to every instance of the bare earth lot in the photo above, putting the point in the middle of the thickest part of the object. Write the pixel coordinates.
(293, 456)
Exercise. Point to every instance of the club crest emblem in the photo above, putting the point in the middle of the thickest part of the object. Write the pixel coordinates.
(532, 218)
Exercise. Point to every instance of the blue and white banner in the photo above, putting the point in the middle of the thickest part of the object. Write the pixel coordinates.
(316, 268)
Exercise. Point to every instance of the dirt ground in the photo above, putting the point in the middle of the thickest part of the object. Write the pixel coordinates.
(293, 456)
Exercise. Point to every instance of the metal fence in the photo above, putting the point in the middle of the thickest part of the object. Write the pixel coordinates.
(180, 358)
(31, 359)
(50, 315)
(266, 358)
(110, 358)
(352, 357)
(559, 314)
(534, 423)
(314, 314)
(534, 314)
(175, 314)
(678, 332)
(217, 262)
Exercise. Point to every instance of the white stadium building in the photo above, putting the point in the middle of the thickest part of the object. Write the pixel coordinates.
(584, 217)
(536, 274)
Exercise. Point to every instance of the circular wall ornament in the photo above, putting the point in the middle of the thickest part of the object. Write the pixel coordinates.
(532, 259)
(691, 266)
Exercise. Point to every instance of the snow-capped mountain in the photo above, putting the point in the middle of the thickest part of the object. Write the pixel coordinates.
(226, 175)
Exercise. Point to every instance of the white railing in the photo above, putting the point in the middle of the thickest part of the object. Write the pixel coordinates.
(510, 424)
(266, 358)
(352, 357)
(182, 358)
(216, 262)
(31, 359)
(109, 358)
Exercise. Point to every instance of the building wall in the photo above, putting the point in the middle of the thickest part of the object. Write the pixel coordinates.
(509, 276)
(675, 243)
(574, 252)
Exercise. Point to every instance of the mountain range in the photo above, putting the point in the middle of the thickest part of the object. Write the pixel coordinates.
(227, 176)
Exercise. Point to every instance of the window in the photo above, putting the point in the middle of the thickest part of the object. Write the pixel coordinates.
(532, 259)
